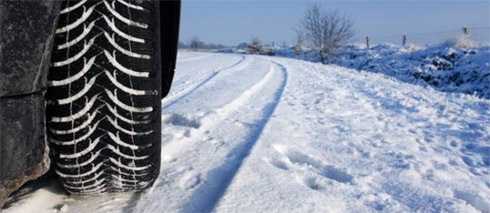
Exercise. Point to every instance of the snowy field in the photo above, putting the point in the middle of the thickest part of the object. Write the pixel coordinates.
(245, 133)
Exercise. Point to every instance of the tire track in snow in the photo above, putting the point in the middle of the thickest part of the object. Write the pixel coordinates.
(210, 120)
(186, 92)
(223, 175)
(197, 181)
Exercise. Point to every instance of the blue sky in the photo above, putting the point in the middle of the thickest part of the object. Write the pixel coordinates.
(233, 21)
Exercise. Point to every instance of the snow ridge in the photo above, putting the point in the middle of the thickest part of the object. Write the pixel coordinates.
(229, 169)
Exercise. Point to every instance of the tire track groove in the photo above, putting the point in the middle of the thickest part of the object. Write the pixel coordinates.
(223, 175)
(199, 85)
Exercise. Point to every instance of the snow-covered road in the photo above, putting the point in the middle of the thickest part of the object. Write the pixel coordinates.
(246, 133)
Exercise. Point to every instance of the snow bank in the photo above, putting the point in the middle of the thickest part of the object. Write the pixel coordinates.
(457, 65)
(445, 67)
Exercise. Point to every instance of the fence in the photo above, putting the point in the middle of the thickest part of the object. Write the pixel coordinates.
(479, 34)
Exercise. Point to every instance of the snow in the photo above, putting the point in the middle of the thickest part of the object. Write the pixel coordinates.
(244, 133)
(457, 65)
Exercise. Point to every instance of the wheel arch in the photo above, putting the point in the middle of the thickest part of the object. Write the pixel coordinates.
(169, 21)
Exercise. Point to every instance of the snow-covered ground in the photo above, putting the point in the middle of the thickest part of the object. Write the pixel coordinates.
(457, 65)
(246, 133)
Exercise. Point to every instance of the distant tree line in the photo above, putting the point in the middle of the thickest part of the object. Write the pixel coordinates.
(196, 44)
(320, 30)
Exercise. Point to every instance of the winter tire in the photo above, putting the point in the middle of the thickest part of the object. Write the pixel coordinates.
(105, 86)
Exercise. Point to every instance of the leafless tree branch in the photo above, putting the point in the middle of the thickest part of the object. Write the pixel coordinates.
(326, 31)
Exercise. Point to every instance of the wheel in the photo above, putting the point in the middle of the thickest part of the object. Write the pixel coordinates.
(105, 85)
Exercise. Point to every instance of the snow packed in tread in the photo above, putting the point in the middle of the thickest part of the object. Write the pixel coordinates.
(103, 91)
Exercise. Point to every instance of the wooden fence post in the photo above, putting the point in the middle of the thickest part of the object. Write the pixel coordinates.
(404, 40)
(367, 42)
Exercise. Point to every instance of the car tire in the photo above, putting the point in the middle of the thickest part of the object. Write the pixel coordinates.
(104, 96)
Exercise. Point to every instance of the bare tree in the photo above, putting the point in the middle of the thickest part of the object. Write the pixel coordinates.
(196, 44)
(255, 46)
(326, 31)
(182, 45)
(242, 45)
(298, 47)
